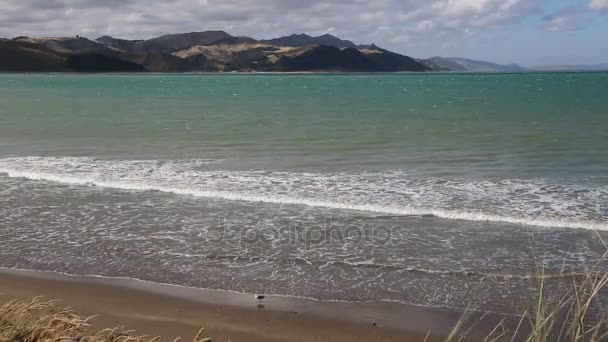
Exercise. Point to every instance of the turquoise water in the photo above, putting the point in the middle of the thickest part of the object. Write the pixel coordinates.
(139, 170)
(533, 125)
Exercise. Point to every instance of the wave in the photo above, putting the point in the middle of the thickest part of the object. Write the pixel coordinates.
(308, 190)
(321, 264)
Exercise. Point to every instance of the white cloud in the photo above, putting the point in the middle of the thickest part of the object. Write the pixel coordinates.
(598, 5)
(424, 25)
(566, 19)
(142, 18)
(560, 24)
(403, 22)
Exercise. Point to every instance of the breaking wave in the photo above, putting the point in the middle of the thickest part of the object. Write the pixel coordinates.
(523, 202)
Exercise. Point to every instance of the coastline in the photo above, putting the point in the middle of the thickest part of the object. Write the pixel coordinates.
(94, 186)
(171, 311)
(303, 73)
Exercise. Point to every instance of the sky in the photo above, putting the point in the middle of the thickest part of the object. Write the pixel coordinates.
(528, 32)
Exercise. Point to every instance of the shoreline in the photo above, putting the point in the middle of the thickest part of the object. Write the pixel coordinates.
(295, 73)
(171, 311)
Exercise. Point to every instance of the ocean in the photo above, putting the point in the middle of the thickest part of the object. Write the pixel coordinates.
(441, 190)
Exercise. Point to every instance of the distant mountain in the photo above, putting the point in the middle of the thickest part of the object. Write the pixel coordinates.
(173, 42)
(96, 62)
(23, 56)
(121, 44)
(199, 51)
(434, 67)
(444, 64)
(464, 64)
(60, 55)
(64, 44)
(579, 67)
(303, 40)
(235, 40)
(390, 61)
(166, 44)
(324, 57)
(368, 47)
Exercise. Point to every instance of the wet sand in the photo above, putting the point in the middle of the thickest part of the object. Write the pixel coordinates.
(171, 311)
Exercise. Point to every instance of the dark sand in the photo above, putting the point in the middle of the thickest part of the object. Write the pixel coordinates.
(170, 311)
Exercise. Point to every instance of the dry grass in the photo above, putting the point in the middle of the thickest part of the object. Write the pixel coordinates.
(577, 316)
(37, 320)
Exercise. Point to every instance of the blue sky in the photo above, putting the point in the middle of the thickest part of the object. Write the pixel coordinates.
(529, 32)
(555, 32)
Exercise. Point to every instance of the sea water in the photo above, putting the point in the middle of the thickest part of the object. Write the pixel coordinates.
(446, 190)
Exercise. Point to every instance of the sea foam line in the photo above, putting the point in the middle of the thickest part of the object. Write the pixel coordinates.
(278, 199)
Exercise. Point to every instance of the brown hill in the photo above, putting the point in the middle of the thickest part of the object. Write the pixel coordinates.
(16, 56)
(200, 51)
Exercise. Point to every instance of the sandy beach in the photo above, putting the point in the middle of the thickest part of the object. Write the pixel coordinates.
(169, 316)
(169, 311)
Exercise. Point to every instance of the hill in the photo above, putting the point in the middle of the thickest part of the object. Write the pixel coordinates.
(200, 51)
(302, 40)
(70, 54)
(464, 64)
(15, 56)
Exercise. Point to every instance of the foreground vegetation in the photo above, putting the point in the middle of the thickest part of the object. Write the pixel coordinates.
(576, 312)
(577, 316)
(37, 320)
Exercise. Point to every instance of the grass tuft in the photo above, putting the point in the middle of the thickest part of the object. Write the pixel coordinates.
(577, 315)
(37, 320)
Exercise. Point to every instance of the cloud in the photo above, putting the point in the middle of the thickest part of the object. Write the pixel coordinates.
(394, 24)
(562, 23)
(599, 5)
(566, 19)
(143, 18)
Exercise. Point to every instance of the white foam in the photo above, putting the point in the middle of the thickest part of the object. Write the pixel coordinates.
(524, 203)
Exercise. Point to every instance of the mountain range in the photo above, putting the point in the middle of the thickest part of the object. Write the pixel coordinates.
(218, 51)
(199, 51)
